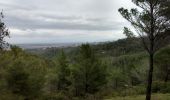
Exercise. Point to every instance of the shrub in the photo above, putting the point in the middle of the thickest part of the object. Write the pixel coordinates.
(58, 96)
(161, 87)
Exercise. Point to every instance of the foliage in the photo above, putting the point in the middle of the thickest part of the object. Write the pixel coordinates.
(128, 33)
(4, 32)
(162, 60)
(23, 74)
(88, 74)
(151, 27)
(141, 97)
(63, 72)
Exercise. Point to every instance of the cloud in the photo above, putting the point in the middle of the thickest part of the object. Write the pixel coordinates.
(78, 20)
(63, 36)
(65, 23)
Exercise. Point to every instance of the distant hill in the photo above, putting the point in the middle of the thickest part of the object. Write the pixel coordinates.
(114, 48)
(47, 45)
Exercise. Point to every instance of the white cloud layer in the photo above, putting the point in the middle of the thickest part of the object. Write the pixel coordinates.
(50, 21)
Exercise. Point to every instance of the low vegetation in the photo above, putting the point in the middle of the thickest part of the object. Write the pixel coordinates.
(142, 97)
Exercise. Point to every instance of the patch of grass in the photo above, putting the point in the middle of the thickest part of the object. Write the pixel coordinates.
(142, 97)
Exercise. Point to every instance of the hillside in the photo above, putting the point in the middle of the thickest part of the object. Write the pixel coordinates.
(97, 71)
(115, 48)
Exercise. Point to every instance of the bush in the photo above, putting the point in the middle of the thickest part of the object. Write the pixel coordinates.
(161, 87)
(58, 96)
(136, 90)
(10, 96)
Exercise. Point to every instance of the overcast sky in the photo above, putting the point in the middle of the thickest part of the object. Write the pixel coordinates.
(60, 21)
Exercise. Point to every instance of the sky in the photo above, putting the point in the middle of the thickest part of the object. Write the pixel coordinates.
(64, 21)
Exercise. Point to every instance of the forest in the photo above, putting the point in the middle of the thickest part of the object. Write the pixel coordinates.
(126, 69)
(90, 72)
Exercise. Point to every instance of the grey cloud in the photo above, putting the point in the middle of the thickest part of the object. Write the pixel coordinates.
(72, 22)
(8, 6)
(74, 15)
(69, 24)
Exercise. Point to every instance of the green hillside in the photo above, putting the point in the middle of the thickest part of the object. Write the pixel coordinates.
(115, 70)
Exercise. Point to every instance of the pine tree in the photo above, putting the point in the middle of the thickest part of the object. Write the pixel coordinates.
(17, 79)
(88, 74)
(151, 25)
(63, 72)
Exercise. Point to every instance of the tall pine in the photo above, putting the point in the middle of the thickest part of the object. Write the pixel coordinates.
(63, 72)
(88, 74)
(151, 25)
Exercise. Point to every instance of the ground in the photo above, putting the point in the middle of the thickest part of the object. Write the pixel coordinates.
(142, 97)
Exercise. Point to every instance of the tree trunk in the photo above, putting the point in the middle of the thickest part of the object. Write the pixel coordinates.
(151, 52)
(167, 73)
(116, 83)
(150, 74)
(166, 78)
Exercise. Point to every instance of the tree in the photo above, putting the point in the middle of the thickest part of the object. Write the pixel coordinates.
(162, 60)
(151, 26)
(58, 78)
(17, 80)
(63, 72)
(4, 32)
(116, 79)
(25, 73)
(88, 74)
(128, 33)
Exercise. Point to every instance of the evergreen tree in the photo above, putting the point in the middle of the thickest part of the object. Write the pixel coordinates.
(24, 74)
(63, 72)
(151, 25)
(88, 74)
(17, 80)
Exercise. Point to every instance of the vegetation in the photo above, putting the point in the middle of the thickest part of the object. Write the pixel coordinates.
(88, 75)
(3, 33)
(142, 97)
(116, 70)
(151, 26)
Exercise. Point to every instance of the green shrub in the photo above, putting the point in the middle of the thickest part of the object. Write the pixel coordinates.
(166, 88)
(10, 96)
(58, 96)
(161, 87)
(136, 90)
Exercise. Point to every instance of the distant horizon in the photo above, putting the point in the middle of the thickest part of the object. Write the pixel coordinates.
(65, 42)
(77, 42)
(57, 44)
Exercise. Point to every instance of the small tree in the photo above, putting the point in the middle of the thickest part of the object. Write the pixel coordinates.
(151, 25)
(4, 32)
